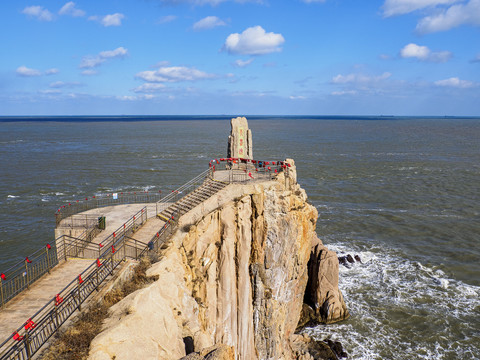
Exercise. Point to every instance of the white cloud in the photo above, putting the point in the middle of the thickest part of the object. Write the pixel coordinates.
(208, 22)
(52, 71)
(62, 84)
(359, 78)
(89, 72)
(345, 92)
(149, 88)
(313, 1)
(456, 15)
(400, 7)
(166, 19)
(242, 63)
(108, 20)
(174, 74)
(112, 20)
(298, 97)
(119, 52)
(254, 41)
(455, 82)
(49, 92)
(424, 53)
(69, 9)
(38, 12)
(476, 59)
(89, 62)
(27, 72)
(416, 51)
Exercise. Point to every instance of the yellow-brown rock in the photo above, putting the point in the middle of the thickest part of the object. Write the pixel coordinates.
(234, 273)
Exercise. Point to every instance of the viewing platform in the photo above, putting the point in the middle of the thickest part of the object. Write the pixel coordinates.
(92, 245)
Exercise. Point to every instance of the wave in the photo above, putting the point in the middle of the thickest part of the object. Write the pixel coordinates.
(401, 307)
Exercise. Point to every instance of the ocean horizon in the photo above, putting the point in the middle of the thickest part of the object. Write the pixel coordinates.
(402, 192)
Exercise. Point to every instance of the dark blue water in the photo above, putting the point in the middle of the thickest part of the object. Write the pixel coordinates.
(402, 193)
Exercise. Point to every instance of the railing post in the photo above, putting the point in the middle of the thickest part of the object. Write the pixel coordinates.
(96, 274)
(27, 345)
(79, 297)
(64, 248)
(1, 293)
(56, 317)
(48, 260)
(26, 273)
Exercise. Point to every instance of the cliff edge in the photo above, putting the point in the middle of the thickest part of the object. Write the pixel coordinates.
(232, 282)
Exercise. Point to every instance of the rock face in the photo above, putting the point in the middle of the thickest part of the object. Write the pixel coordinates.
(240, 139)
(235, 274)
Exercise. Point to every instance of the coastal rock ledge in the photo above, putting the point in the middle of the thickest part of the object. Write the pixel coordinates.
(232, 282)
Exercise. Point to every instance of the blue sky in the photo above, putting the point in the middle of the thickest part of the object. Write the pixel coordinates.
(389, 57)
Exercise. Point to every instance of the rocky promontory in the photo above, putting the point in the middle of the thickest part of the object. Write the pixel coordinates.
(241, 270)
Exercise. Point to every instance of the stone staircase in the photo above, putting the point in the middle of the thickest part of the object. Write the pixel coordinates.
(192, 199)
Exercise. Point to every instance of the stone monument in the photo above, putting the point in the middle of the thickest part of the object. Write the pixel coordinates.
(240, 139)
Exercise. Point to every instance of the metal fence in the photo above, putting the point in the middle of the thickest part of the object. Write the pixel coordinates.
(21, 275)
(183, 190)
(137, 197)
(81, 221)
(30, 337)
(24, 273)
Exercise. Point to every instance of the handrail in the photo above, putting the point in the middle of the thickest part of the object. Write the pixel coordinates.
(103, 200)
(165, 202)
(30, 337)
(24, 273)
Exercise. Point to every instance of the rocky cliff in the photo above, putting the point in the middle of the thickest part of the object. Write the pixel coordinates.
(235, 275)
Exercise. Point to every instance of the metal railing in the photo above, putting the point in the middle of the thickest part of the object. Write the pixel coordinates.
(137, 197)
(31, 336)
(24, 273)
(183, 190)
(81, 221)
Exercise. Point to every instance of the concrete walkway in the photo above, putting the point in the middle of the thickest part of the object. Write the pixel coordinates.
(26, 304)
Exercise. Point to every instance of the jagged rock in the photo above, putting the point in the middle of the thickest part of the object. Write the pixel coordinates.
(234, 273)
(322, 293)
(305, 347)
(337, 348)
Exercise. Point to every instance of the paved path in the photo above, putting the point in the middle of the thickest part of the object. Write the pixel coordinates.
(27, 303)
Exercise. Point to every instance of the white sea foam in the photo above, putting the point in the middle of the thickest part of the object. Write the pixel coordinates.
(12, 196)
(403, 309)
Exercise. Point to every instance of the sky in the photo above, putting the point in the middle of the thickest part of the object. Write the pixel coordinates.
(244, 57)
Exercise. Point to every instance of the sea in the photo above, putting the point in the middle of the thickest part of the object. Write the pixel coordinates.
(403, 193)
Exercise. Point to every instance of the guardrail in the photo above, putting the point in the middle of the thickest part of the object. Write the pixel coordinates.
(242, 170)
(30, 337)
(21, 275)
(24, 273)
(97, 201)
(183, 190)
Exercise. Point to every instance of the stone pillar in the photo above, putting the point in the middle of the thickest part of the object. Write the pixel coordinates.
(240, 139)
